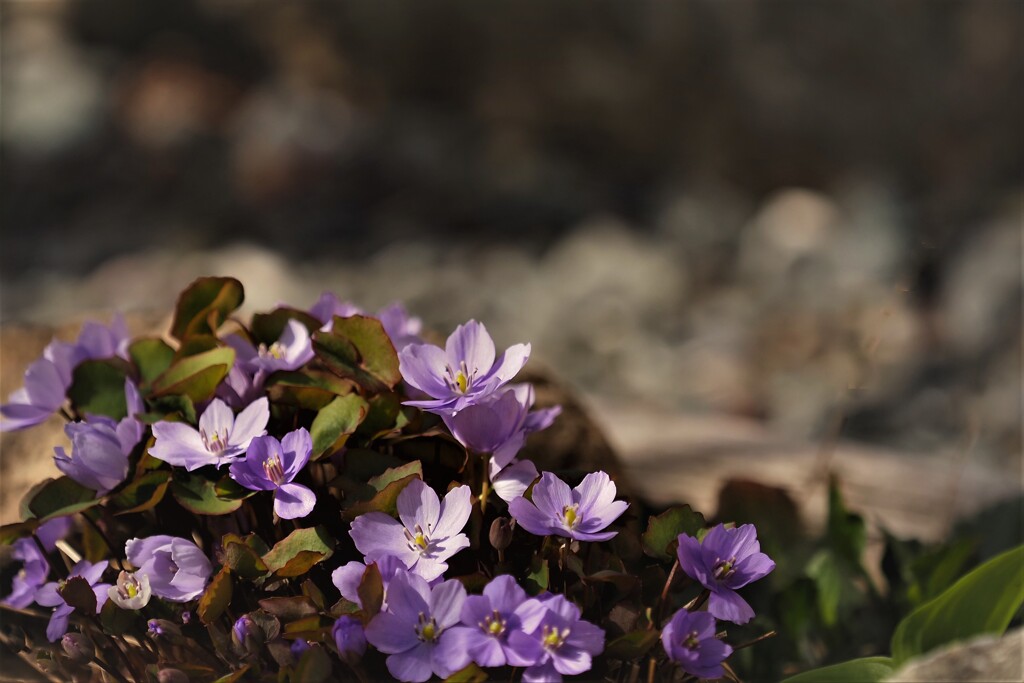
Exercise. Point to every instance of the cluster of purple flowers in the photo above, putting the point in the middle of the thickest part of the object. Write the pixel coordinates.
(426, 625)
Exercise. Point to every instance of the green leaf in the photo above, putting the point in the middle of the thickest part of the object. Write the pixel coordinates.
(386, 500)
(170, 407)
(829, 578)
(217, 596)
(267, 327)
(142, 494)
(244, 561)
(198, 494)
(335, 422)
(77, 592)
(468, 674)
(195, 376)
(847, 533)
(866, 670)
(393, 474)
(314, 666)
(61, 497)
(97, 388)
(151, 356)
(9, 533)
(382, 416)
(117, 621)
(538, 578)
(983, 601)
(663, 530)
(371, 590)
(309, 390)
(300, 550)
(632, 645)
(205, 304)
(358, 348)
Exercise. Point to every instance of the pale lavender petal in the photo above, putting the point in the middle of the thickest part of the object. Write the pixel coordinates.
(571, 661)
(296, 447)
(530, 518)
(217, 420)
(391, 634)
(376, 535)
(44, 385)
(418, 504)
(14, 416)
(455, 511)
(542, 673)
(408, 597)
(551, 495)
(179, 444)
(504, 594)
(470, 343)
(250, 423)
(594, 493)
(424, 366)
(727, 605)
(587, 637)
(512, 481)
(450, 653)
(412, 666)
(530, 613)
(141, 550)
(58, 624)
(347, 578)
(446, 602)
(293, 501)
(592, 537)
(54, 530)
(510, 363)
(47, 595)
(603, 517)
(430, 568)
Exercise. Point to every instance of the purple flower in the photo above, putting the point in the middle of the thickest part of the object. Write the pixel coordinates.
(328, 306)
(499, 423)
(464, 372)
(177, 569)
(47, 379)
(727, 559)
(100, 447)
(510, 482)
(271, 465)
(401, 328)
(220, 439)
(580, 513)
(290, 352)
(132, 590)
(246, 635)
(416, 630)
(349, 638)
(348, 577)
(689, 640)
(35, 569)
(428, 534)
(563, 643)
(490, 619)
(48, 596)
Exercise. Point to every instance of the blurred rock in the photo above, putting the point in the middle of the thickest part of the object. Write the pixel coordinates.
(985, 659)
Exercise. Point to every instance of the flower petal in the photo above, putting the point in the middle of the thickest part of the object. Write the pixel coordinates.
(390, 634)
(424, 366)
(413, 666)
(296, 447)
(250, 423)
(727, 605)
(217, 421)
(446, 602)
(530, 518)
(293, 501)
(418, 504)
(455, 511)
(470, 343)
(510, 363)
(551, 495)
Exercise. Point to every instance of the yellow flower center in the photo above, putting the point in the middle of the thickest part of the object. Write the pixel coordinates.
(552, 638)
(418, 540)
(273, 469)
(462, 381)
(427, 630)
(691, 642)
(275, 350)
(132, 590)
(493, 624)
(569, 515)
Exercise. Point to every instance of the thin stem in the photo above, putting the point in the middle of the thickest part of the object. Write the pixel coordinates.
(755, 641)
(664, 594)
(698, 601)
(651, 666)
(103, 536)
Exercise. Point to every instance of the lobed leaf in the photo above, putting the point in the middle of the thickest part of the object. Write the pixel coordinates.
(663, 530)
(144, 493)
(205, 305)
(97, 388)
(358, 348)
(151, 356)
(77, 592)
(198, 494)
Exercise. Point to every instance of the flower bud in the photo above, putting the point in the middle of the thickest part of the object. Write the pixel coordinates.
(246, 635)
(161, 628)
(186, 617)
(350, 639)
(299, 647)
(77, 647)
(171, 676)
(501, 533)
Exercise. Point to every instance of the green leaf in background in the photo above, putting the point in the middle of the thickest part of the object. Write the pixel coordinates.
(385, 500)
(151, 356)
(244, 560)
(299, 550)
(289, 608)
(866, 670)
(267, 327)
(358, 348)
(198, 494)
(663, 530)
(144, 493)
(309, 390)
(539, 576)
(314, 666)
(383, 414)
(393, 474)
(166, 407)
(217, 596)
(335, 422)
(846, 532)
(468, 674)
(61, 497)
(205, 304)
(9, 533)
(195, 376)
(97, 388)
(632, 645)
(829, 579)
(983, 601)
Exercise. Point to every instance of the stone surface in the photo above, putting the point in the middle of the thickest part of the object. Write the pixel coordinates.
(986, 659)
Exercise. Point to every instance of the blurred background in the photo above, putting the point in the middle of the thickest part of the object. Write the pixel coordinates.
(756, 239)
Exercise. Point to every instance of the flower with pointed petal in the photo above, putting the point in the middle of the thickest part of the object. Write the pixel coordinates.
(725, 560)
(347, 577)
(292, 350)
(271, 465)
(566, 643)
(428, 534)
(220, 439)
(463, 372)
(415, 631)
(49, 596)
(580, 513)
(490, 619)
(35, 568)
(177, 569)
(689, 641)
(328, 306)
(402, 328)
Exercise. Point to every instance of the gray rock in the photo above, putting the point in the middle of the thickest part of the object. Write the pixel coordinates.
(987, 658)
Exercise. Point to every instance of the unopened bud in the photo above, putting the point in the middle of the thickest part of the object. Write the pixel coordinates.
(161, 628)
(77, 647)
(171, 676)
(350, 639)
(246, 635)
(501, 533)
(299, 647)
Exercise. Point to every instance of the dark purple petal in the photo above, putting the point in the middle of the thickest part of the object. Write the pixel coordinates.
(297, 447)
(751, 568)
(58, 624)
(691, 559)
